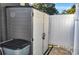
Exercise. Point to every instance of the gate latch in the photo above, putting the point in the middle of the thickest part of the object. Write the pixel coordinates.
(43, 36)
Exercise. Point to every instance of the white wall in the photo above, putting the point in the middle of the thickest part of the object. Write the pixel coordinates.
(61, 30)
(37, 32)
(76, 32)
(40, 26)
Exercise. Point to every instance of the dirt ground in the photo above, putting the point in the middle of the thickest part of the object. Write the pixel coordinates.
(59, 51)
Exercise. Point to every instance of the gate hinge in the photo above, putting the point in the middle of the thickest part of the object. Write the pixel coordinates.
(32, 39)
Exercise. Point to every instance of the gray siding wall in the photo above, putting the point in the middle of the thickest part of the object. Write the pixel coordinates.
(0, 25)
(2, 19)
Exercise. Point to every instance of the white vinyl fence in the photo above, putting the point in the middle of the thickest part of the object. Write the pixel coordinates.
(61, 30)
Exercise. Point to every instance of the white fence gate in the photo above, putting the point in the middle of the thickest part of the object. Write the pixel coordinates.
(61, 30)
